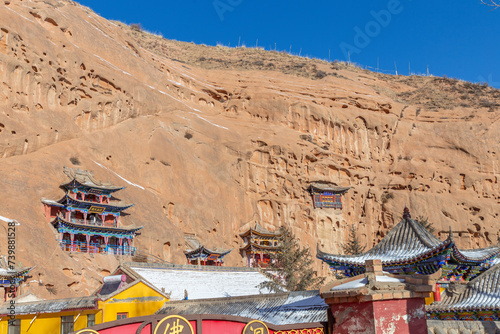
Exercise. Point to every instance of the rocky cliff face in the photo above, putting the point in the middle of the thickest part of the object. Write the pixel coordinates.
(210, 140)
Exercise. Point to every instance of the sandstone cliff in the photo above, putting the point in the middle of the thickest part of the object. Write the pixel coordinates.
(210, 140)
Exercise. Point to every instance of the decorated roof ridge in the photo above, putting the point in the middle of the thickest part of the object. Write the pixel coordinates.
(407, 240)
(253, 244)
(86, 178)
(483, 292)
(260, 230)
(328, 186)
(6, 272)
(476, 255)
(52, 202)
(194, 245)
(116, 204)
(59, 218)
(202, 249)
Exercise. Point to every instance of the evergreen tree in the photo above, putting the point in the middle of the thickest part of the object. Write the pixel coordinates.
(353, 245)
(425, 223)
(290, 269)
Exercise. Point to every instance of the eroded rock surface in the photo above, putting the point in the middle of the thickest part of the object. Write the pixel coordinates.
(211, 146)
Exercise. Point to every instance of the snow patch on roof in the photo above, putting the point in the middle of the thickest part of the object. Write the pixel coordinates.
(204, 284)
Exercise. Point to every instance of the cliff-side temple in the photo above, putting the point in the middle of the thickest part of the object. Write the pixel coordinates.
(88, 217)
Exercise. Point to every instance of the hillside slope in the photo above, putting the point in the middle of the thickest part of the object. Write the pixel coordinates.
(210, 140)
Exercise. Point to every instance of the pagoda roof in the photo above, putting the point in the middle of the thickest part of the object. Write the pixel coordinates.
(323, 186)
(68, 201)
(86, 178)
(261, 231)
(406, 242)
(6, 274)
(475, 255)
(262, 247)
(194, 246)
(482, 293)
(58, 221)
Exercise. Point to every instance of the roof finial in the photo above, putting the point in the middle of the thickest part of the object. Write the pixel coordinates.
(406, 213)
(450, 236)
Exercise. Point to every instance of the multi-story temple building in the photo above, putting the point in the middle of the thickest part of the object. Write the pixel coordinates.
(88, 217)
(327, 196)
(259, 245)
(197, 254)
(410, 249)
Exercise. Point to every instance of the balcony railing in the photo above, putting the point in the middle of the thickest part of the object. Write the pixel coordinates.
(96, 248)
(92, 222)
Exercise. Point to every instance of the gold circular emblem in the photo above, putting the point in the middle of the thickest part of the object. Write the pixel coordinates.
(256, 327)
(174, 324)
(87, 331)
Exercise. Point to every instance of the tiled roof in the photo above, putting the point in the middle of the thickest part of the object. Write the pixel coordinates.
(52, 306)
(257, 246)
(279, 309)
(406, 241)
(86, 178)
(260, 230)
(7, 273)
(483, 292)
(476, 255)
(194, 245)
(201, 283)
(409, 241)
(123, 229)
(329, 187)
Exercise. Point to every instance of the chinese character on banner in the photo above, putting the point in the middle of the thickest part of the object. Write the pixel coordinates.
(173, 324)
(255, 327)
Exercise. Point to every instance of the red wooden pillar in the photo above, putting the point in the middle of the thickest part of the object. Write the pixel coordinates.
(68, 214)
(437, 294)
(88, 243)
(120, 249)
(72, 237)
(106, 240)
(85, 218)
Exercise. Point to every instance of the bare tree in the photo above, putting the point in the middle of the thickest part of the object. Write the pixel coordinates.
(491, 3)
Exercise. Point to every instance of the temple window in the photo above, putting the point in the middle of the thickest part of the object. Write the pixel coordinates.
(123, 315)
(66, 324)
(90, 320)
(14, 326)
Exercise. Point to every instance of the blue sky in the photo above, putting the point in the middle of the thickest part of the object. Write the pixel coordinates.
(459, 39)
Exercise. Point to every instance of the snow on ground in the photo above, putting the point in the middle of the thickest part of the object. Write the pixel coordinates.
(124, 179)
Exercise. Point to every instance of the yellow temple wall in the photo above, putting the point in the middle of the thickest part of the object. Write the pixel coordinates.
(137, 300)
(48, 322)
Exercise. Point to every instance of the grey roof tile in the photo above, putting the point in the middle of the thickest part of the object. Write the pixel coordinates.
(278, 309)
